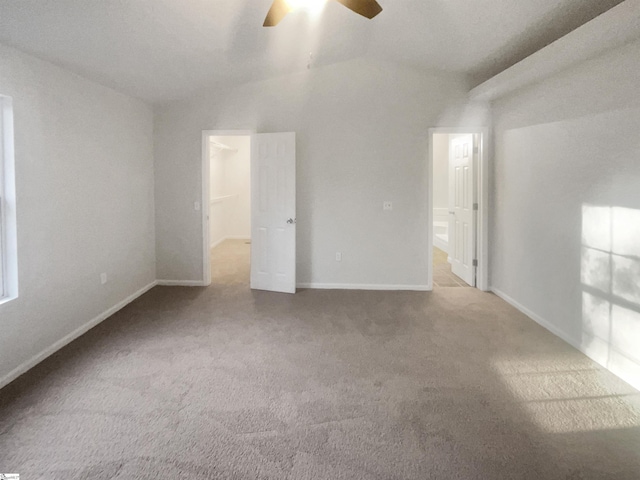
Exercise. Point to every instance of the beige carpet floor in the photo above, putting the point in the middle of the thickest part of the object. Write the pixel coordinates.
(228, 383)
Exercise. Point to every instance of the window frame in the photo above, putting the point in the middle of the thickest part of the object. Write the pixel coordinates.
(8, 236)
(3, 242)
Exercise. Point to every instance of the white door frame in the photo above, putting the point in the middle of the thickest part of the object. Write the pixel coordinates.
(482, 189)
(205, 203)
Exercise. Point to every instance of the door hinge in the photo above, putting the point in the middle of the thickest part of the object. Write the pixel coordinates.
(475, 207)
(476, 150)
(475, 263)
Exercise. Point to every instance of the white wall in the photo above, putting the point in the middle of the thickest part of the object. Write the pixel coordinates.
(362, 132)
(566, 225)
(84, 178)
(217, 210)
(230, 177)
(238, 183)
(441, 171)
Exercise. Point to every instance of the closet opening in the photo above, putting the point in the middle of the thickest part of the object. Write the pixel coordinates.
(228, 207)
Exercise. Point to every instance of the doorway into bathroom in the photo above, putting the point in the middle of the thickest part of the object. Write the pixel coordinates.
(457, 208)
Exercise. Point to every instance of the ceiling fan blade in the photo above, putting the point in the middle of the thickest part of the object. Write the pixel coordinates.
(366, 8)
(277, 12)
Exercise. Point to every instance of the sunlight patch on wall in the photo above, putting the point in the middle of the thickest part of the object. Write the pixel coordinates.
(596, 269)
(625, 334)
(610, 276)
(595, 316)
(626, 231)
(596, 231)
(626, 279)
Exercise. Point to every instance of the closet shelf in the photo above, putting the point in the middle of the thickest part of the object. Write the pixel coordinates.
(223, 198)
(222, 146)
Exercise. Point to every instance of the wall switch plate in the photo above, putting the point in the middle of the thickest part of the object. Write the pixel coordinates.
(387, 206)
(338, 256)
(103, 278)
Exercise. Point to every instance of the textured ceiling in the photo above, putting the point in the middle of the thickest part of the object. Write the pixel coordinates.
(160, 50)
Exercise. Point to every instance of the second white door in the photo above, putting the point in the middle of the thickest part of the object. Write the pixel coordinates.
(273, 212)
(462, 218)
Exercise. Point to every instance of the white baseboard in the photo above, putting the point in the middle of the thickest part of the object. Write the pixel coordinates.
(441, 244)
(538, 319)
(353, 286)
(218, 242)
(563, 335)
(29, 364)
(231, 237)
(181, 283)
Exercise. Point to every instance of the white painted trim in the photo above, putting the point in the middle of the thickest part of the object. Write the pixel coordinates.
(354, 286)
(538, 319)
(206, 207)
(431, 230)
(229, 133)
(182, 283)
(206, 201)
(577, 344)
(8, 204)
(482, 240)
(29, 364)
(614, 28)
(484, 176)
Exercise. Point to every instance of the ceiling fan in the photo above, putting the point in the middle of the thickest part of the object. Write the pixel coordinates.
(280, 8)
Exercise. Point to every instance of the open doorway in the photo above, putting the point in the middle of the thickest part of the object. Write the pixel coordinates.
(457, 208)
(228, 206)
(443, 275)
(249, 195)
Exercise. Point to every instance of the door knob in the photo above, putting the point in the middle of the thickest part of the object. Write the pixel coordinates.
(291, 221)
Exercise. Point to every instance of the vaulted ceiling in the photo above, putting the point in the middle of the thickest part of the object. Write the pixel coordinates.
(160, 50)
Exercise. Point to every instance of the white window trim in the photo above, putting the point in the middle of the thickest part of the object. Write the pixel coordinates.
(8, 234)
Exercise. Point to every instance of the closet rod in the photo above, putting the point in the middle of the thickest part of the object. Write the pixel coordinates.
(222, 146)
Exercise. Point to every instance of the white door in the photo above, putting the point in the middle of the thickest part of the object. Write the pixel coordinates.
(462, 226)
(273, 212)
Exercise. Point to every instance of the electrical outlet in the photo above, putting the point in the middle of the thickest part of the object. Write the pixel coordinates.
(338, 256)
(387, 206)
(196, 206)
(103, 278)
